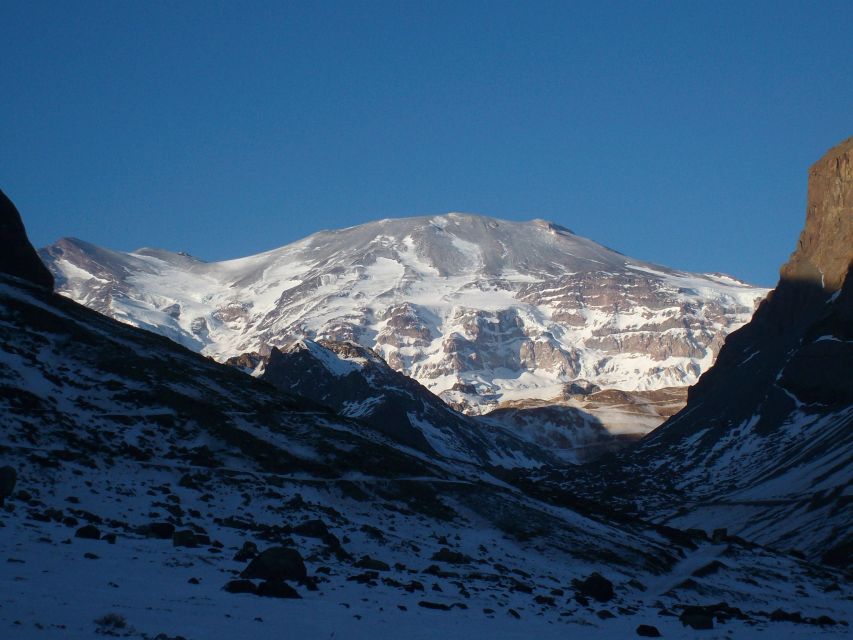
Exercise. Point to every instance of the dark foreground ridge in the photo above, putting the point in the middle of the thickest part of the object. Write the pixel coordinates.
(17, 256)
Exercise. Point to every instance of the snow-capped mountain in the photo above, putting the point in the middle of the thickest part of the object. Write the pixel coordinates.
(147, 491)
(478, 310)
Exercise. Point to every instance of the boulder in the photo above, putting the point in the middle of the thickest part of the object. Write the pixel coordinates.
(247, 552)
(368, 577)
(719, 535)
(596, 586)
(276, 589)
(648, 631)
(780, 615)
(160, 530)
(276, 563)
(451, 557)
(839, 555)
(185, 538)
(8, 479)
(367, 562)
(413, 586)
(88, 532)
(697, 618)
(312, 529)
(331, 541)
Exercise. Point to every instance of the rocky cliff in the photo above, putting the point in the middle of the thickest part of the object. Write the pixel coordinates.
(765, 443)
(17, 256)
(824, 250)
(810, 293)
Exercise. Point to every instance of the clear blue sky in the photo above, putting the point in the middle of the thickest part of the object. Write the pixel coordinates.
(674, 132)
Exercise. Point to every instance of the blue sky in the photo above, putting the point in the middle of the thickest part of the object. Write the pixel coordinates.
(674, 132)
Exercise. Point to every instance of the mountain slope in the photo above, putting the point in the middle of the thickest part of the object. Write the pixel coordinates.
(765, 443)
(356, 383)
(478, 310)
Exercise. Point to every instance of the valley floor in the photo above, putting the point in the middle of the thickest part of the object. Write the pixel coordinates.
(56, 585)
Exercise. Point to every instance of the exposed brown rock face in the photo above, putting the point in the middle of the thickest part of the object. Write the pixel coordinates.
(825, 248)
(17, 256)
(246, 361)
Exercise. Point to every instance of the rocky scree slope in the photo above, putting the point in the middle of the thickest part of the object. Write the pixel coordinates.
(764, 446)
(149, 492)
(480, 311)
(354, 381)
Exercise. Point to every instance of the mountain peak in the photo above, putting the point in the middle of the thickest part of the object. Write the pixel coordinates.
(166, 255)
(552, 227)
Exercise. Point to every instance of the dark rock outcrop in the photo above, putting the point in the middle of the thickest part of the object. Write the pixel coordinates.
(451, 557)
(596, 586)
(276, 563)
(8, 479)
(248, 551)
(187, 538)
(88, 532)
(697, 618)
(17, 256)
(248, 362)
(312, 529)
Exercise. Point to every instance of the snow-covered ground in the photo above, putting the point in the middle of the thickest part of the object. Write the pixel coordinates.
(51, 588)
